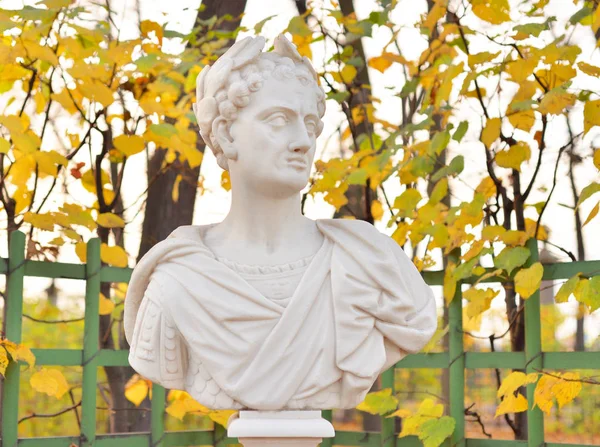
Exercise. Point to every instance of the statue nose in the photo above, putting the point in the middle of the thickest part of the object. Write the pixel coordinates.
(301, 143)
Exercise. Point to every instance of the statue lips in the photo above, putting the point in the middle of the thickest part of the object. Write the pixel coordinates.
(299, 163)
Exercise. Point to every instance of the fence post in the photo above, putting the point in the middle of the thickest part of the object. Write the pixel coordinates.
(533, 355)
(157, 421)
(90, 343)
(387, 424)
(457, 361)
(14, 324)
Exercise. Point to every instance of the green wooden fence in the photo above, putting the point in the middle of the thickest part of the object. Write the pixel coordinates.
(91, 357)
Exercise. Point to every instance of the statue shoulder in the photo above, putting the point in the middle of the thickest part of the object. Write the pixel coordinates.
(354, 229)
(186, 232)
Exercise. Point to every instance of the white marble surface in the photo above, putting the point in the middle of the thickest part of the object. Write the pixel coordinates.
(195, 323)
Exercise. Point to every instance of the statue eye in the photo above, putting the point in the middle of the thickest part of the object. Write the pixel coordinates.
(277, 119)
(311, 127)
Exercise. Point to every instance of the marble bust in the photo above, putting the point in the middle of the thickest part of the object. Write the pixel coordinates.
(270, 310)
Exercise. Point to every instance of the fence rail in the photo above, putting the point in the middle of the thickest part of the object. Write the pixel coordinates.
(456, 360)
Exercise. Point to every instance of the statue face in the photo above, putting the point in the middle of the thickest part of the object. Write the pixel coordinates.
(274, 138)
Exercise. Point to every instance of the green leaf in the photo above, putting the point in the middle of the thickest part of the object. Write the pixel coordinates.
(339, 97)
(409, 87)
(434, 431)
(455, 167)
(146, 63)
(163, 130)
(358, 177)
(460, 131)
(565, 291)
(440, 141)
(259, 26)
(407, 201)
(589, 292)
(511, 258)
(379, 402)
(298, 27)
(587, 192)
(533, 29)
(580, 15)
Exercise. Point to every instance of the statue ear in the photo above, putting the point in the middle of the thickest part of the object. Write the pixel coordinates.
(223, 137)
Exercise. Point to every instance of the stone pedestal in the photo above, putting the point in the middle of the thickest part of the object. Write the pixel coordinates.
(279, 428)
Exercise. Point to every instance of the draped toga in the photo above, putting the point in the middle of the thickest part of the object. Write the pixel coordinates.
(195, 324)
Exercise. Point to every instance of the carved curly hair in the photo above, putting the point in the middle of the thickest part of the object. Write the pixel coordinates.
(226, 86)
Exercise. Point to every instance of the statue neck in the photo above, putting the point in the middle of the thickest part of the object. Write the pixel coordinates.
(267, 222)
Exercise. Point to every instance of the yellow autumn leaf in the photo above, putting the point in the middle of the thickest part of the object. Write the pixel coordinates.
(337, 197)
(106, 305)
(221, 417)
(3, 361)
(491, 131)
(592, 214)
(567, 389)
(380, 63)
(22, 352)
(177, 409)
(512, 404)
(376, 210)
(129, 144)
(479, 301)
(97, 91)
(428, 410)
(147, 26)
(400, 413)
(114, 255)
(182, 403)
(492, 11)
(542, 395)
(514, 156)
(514, 381)
(4, 146)
(514, 237)
(588, 69)
(596, 158)
(530, 226)
(591, 115)
(50, 381)
(225, 181)
(450, 282)
(523, 120)
(556, 101)
(528, 280)
(42, 221)
(81, 251)
(486, 187)
(303, 44)
(520, 69)
(346, 75)
(175, 192)
(136, 389)
(36, 51)
(110, 220)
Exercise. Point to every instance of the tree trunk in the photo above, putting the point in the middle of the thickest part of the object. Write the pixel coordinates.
(359, 197)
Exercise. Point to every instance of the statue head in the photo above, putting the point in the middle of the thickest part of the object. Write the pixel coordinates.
(260, 113)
